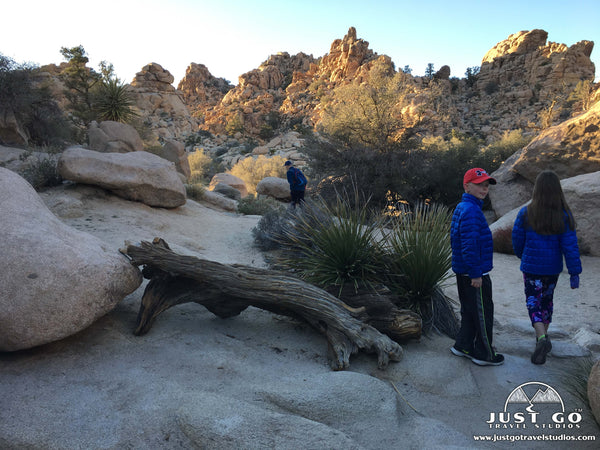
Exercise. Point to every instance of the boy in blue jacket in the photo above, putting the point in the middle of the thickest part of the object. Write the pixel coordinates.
(472, 260)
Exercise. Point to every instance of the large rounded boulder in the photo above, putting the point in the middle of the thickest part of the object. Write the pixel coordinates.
(55, 279)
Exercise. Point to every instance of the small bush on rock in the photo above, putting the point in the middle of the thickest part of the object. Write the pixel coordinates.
(195, 191)
(253, 170)
(259, 206)
(42, 172)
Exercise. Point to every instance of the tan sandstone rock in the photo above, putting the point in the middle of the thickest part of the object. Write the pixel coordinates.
(138, 176)
(275, 187)
(114, 137)
(229, 180)
(160, 104)
(593, 391)
(55, 279)
(570, 148)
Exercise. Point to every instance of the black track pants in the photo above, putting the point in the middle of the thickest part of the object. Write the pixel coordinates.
(477, 317)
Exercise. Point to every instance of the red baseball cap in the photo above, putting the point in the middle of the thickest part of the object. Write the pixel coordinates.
(477, 175)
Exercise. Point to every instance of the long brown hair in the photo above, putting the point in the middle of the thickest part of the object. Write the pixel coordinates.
(546, 212)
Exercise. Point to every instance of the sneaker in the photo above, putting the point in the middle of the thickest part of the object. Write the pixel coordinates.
(496, 360)
(461, 352)
(542, 347)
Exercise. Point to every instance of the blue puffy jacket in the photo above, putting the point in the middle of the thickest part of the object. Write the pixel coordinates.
(471, 239)
(296, 179)
(543, 254)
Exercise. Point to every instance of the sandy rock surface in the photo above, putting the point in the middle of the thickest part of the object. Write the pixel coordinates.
(260, 380)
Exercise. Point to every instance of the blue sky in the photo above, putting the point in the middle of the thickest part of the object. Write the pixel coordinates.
(234, 37)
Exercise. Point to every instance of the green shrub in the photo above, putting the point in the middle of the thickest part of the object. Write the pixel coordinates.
(252, 170)
(32, 105)
(333, 245)
(269, 228)
(42, 172)
(195, 191)
(114, 102)
(251, 205)
(419, 259)
(200, 164)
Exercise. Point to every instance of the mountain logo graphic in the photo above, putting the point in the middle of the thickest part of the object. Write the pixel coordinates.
(543, 394)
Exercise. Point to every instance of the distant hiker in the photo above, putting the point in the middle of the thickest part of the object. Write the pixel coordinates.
(472, 260)
(543, 232)
(297, 182)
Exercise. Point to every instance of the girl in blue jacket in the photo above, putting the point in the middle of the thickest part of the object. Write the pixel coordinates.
(544, 232)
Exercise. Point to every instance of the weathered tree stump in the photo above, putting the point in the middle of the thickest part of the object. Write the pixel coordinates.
(226, 290)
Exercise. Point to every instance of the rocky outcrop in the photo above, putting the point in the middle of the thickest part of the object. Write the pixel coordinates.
(593, 391)
(522, 81)
(55, 280)
(114, 137)
(570, 148)
(275, 187)
(138, 176)
(230, 180)
(11, 130)
(348, 59)
(581, 193)
(253, 105)
(201, 90)
(160, 104)
(174, 151)
(220, 201)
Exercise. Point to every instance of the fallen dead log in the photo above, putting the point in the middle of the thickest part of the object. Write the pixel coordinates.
(226, 290)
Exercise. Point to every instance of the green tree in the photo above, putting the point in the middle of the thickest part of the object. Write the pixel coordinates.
(79, 81)
(582, 95)
(368, 113)
(471, 75)
(31, 104)
(429, 71)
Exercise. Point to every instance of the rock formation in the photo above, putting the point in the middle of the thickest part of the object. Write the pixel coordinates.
(521, 78)
(570, 148)
(55, 280)
(229, 180)
(254, 104)
(160, 104)
(114, 137)
(138, 176)
(201, 90)
(274, 187)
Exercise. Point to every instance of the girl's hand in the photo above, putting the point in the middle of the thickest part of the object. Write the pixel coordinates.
(574, 281)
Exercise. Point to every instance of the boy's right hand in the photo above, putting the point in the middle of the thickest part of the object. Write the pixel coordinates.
(476, 282)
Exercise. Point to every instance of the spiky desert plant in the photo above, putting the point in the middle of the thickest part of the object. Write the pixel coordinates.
(419, 258)
(114, 102)
(333, 245)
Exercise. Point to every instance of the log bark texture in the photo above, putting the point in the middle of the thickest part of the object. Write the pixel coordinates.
(226, 290)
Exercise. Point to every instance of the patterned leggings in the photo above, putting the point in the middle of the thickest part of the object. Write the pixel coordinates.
(539, 294)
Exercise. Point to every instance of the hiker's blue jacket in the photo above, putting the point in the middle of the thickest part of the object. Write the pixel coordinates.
(471, 239)
(542, 254)
(296, 179)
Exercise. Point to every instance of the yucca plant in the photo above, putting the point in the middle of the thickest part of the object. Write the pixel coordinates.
(333, 245)
(114, 102)
(419, 258)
